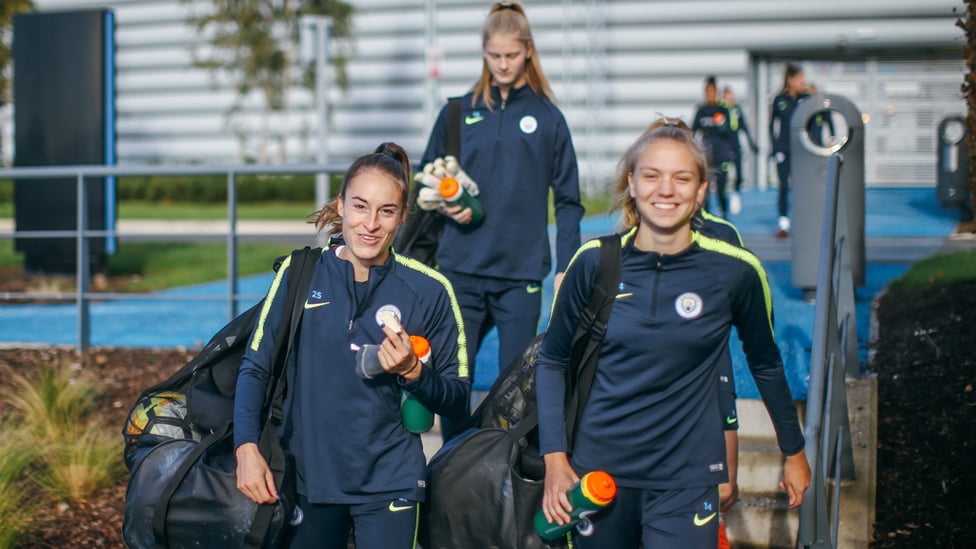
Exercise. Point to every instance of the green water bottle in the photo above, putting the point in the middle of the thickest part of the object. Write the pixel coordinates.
(416, 417)
(593, 492)
(454, 193)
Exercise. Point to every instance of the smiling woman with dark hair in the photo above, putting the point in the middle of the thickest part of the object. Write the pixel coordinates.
(356, 462)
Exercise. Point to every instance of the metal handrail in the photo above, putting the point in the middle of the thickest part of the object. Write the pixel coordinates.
(833, 357)
(82, 296)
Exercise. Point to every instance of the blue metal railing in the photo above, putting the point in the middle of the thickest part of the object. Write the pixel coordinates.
(83, 296)
(833, 358)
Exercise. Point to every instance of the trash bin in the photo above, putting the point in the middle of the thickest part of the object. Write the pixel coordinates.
(839, 128)
(952, 161)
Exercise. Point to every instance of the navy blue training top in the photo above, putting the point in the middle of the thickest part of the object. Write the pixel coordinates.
(782, 111)
(652, 419)
(714, 124)
(346, 433)
(716, 227)
(515, 152)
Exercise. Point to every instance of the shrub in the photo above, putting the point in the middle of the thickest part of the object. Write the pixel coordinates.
(81, 463)
(54, 403)
(15, 507)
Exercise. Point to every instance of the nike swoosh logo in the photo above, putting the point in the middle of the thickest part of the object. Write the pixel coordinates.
(314, 305)
(532, 289)
(731, 420)
(394, 508)
(473, 119)
(703, 521)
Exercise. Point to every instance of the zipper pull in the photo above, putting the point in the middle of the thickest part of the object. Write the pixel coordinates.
(350, 323)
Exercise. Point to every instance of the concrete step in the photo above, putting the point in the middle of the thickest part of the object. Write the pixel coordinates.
(760, 465)
(761, 517)
(762, 520)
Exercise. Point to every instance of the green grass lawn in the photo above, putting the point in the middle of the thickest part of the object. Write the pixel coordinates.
(185, 211)
(152, 266)
(938, 269)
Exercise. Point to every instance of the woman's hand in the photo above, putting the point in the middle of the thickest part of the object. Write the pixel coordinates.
(728, 494)
(560, 477)
(396, 353)
(254, 478)
(460, 214)
(796, 477)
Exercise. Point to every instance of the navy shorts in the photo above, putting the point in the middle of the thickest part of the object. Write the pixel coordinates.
(660, 519)
(390, 524)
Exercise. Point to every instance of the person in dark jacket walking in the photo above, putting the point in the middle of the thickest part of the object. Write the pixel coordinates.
(517, 146)
(737, 121)
(356, 463)
(652, 417)
(794, 90)
(713, 124)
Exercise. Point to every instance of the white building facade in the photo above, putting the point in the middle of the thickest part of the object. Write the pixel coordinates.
(615, 65)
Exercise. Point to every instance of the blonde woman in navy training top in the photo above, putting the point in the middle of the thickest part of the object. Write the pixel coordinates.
(653, 419)
(516, 145)
(356, 464)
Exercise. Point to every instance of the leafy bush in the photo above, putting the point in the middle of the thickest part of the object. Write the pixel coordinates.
(213, 188)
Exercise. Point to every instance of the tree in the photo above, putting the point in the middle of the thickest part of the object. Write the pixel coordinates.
(253, 42)
(968, 24)
(8, 8)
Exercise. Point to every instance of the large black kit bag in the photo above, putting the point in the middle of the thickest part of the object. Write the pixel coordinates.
(417, 237)
(485, 485)
(179, 442)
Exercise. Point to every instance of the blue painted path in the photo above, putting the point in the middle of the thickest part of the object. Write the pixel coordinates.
(891, 213)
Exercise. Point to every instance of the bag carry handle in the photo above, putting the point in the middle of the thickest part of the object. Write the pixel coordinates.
(590, 332)
(269, 444)
(307, 257)
(418, 221)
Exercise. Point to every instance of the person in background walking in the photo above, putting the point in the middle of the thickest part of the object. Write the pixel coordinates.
(819, 122)
(712, 124)
(516, 145)
(737, 121)
(793, 91)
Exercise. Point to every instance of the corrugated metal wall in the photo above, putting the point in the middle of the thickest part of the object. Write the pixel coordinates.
(614, 65)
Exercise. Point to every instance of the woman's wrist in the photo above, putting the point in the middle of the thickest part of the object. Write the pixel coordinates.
(414, 372)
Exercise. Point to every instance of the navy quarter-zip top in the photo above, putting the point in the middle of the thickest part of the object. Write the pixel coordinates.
(516, 153)
(346, 433)
(653, 418)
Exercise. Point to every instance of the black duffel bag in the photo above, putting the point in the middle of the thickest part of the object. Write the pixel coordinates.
(485, 485)
(180, 444)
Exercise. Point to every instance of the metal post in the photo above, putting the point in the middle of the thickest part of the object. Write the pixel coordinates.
(82, 271)
(232, 270)
(323, 27)
(813, 509)
(434, 59)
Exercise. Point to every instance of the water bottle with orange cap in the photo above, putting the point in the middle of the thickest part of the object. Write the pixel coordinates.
(593, 492)
(454, 193)
(416, 417)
